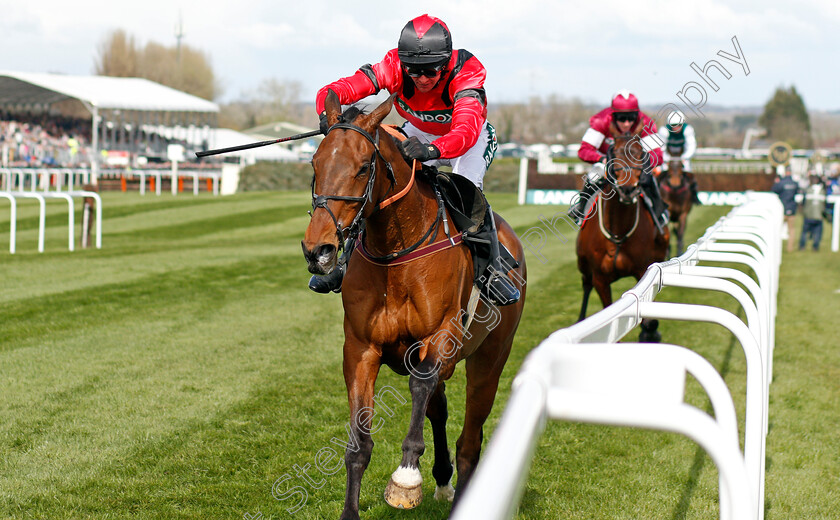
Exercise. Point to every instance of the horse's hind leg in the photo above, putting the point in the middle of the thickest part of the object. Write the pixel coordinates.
(484, 368)
(405, 489)
(442, 471)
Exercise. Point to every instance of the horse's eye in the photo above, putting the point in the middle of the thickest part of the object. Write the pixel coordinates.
(363, 170)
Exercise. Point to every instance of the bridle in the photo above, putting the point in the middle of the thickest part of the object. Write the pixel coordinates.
(321, 201)
(353, 230)
(625, 197)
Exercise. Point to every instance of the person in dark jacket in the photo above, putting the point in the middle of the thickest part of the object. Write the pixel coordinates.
(787, 189)
(813, 212)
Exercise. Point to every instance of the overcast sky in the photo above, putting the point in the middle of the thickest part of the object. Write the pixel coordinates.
(578, 49)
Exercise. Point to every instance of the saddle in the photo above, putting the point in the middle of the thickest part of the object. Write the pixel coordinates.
(468, 212)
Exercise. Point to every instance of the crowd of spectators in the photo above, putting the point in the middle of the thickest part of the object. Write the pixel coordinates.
(43, 140)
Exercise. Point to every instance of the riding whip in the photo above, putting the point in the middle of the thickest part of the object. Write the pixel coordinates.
(205, 153)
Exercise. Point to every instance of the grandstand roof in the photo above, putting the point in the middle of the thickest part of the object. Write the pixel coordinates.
(97, 91)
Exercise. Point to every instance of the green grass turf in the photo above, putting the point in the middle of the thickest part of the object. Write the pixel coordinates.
(184, 368)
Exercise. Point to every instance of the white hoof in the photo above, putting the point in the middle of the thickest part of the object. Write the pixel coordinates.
(407, 477)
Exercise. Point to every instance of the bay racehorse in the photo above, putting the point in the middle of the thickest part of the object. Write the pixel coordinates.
(675, 186)
(405, 302)
(619, 237)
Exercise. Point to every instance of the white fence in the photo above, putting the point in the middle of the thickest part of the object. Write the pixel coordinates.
(11, 178)
(41, 184)
(642, 385)
(59, 179)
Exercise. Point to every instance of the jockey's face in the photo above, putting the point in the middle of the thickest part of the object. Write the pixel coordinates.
(625, 121)
(675, 128)
(426, 83)
(625, 126)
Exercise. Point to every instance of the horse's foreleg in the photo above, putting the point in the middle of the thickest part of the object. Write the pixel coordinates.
(681, 232)
(442, 471)
(675, 227)
(360, 376)
(602, 287)
(650, 332)
(405, 489)
(587, 290)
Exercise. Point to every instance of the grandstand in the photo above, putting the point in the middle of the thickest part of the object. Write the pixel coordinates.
(62, 120)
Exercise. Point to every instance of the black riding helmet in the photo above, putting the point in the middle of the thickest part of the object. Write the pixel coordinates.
(425, 41)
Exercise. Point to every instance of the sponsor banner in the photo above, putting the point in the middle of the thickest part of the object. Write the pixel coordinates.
(549, 196)
(564, 197)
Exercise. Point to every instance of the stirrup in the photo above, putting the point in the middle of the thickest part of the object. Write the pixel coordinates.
(328, 282)
(500, 291)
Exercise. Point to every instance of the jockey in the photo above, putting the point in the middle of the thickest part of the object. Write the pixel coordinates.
(624, 112)
(680, 142)
(440, 93)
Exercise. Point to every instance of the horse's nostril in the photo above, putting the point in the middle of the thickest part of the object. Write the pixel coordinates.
(324, 251)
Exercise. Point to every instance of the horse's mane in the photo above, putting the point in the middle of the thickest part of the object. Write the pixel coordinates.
(352, 113)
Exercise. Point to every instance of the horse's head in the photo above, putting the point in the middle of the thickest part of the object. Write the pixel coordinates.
(350, 177)
(675, 173)
(626, 160)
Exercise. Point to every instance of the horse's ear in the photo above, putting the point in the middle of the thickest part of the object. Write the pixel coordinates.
(333, 107)
(373, 119)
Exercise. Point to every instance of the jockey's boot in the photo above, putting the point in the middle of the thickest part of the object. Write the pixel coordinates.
(577, 211)
(657, 205)
(499, 289)
(332, 282)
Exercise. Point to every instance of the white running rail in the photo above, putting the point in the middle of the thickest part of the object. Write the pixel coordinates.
(546, 387)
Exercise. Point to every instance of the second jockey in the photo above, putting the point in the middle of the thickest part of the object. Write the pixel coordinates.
(624, 112)
(680, 144)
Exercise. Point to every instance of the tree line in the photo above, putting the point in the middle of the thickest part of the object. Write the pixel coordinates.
(554, 119)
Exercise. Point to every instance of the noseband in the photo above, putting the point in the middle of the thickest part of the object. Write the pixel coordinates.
(321, 201)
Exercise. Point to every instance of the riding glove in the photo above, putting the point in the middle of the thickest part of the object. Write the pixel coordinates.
(412, 148)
